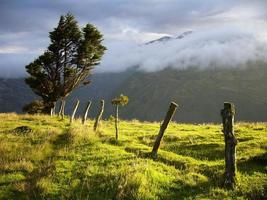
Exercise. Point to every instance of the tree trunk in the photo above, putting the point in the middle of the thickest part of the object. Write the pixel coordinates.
(86, 112)
(99, 116)
(163, 127)
(62, 109)
(74, 111)
(53, 109)
(117, 121)
(227, 114)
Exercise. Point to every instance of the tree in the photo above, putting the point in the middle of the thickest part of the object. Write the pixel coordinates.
(67, 62)
(35, 107)
(119, 101)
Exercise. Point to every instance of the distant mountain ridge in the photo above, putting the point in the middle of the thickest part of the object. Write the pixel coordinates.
(168, 38)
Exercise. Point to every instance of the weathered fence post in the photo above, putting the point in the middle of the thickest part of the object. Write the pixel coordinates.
(74, 111)
(227, 114)
(99, 116)
(117, 122)
(86, 112)
(163, 127)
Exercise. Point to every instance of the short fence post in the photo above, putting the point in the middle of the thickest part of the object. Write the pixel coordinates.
(163, 127)
(86, 112)
(74, 111)
(99, 116)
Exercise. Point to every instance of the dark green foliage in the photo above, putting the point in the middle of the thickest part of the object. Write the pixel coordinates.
(34, 107)
(122, 100)
(67, 62)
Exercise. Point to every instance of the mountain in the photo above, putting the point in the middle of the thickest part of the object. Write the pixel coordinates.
(200, 93)
(168, 38)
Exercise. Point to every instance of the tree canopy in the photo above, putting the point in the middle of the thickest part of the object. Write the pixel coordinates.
(67, 62)
(122, 100)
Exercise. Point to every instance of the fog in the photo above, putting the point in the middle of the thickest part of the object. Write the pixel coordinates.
(226, 33)
(226, 46)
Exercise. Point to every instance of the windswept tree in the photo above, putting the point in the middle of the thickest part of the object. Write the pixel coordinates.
(67, 62)
(122, 100)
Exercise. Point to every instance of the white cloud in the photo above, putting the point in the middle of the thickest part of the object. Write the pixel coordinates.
(217, 46)
(12, 49)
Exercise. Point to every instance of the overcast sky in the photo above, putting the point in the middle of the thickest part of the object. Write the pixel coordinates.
(127, 24)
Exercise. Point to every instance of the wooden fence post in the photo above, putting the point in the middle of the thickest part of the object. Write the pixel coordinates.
(227, 114)
(117, 122)
(99, 116)
(74, 111)
(86, 112)
(163, 127)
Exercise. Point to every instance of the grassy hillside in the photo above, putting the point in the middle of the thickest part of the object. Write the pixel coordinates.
(45, 158)
(199, 92)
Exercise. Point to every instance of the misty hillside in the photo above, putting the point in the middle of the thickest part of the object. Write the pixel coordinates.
(200, 93)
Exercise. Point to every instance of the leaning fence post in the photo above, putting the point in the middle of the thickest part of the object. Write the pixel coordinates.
(227, 114)
(99, 116)
(163, 127)
(74, 111)
(86, 112)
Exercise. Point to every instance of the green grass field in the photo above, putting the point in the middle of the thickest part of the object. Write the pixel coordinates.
(49, 159)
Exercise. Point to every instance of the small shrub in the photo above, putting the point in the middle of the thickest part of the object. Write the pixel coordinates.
(35, 107)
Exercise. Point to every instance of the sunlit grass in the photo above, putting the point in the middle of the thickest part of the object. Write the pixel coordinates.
(49, 159)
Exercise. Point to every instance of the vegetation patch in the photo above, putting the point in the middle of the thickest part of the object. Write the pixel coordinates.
(61, 161)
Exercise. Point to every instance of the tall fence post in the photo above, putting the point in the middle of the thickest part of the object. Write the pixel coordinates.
(163, 127)
(74, 111)
(86, 112)
(99, 116)
(227, 114)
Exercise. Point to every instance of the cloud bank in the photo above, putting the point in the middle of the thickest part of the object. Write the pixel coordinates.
(227, 46)
(226, 32)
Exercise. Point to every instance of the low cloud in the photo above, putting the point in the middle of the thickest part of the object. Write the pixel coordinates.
(227, 46)
(219, 38)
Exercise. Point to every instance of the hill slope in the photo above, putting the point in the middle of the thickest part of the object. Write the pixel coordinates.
(45, 158)
(199, 92)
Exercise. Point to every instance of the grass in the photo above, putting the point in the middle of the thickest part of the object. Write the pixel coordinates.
(46, 158)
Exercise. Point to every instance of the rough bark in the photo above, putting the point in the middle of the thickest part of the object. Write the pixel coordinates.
(86, 112)
(74, 111)
(117, 121)
(100, 113)
(163, 127)
(227, 114)
(53, 109)
(62, 109)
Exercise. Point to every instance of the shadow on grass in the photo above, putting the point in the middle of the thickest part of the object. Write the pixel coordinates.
(211, 151)
(44, 168)
(254, 164)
